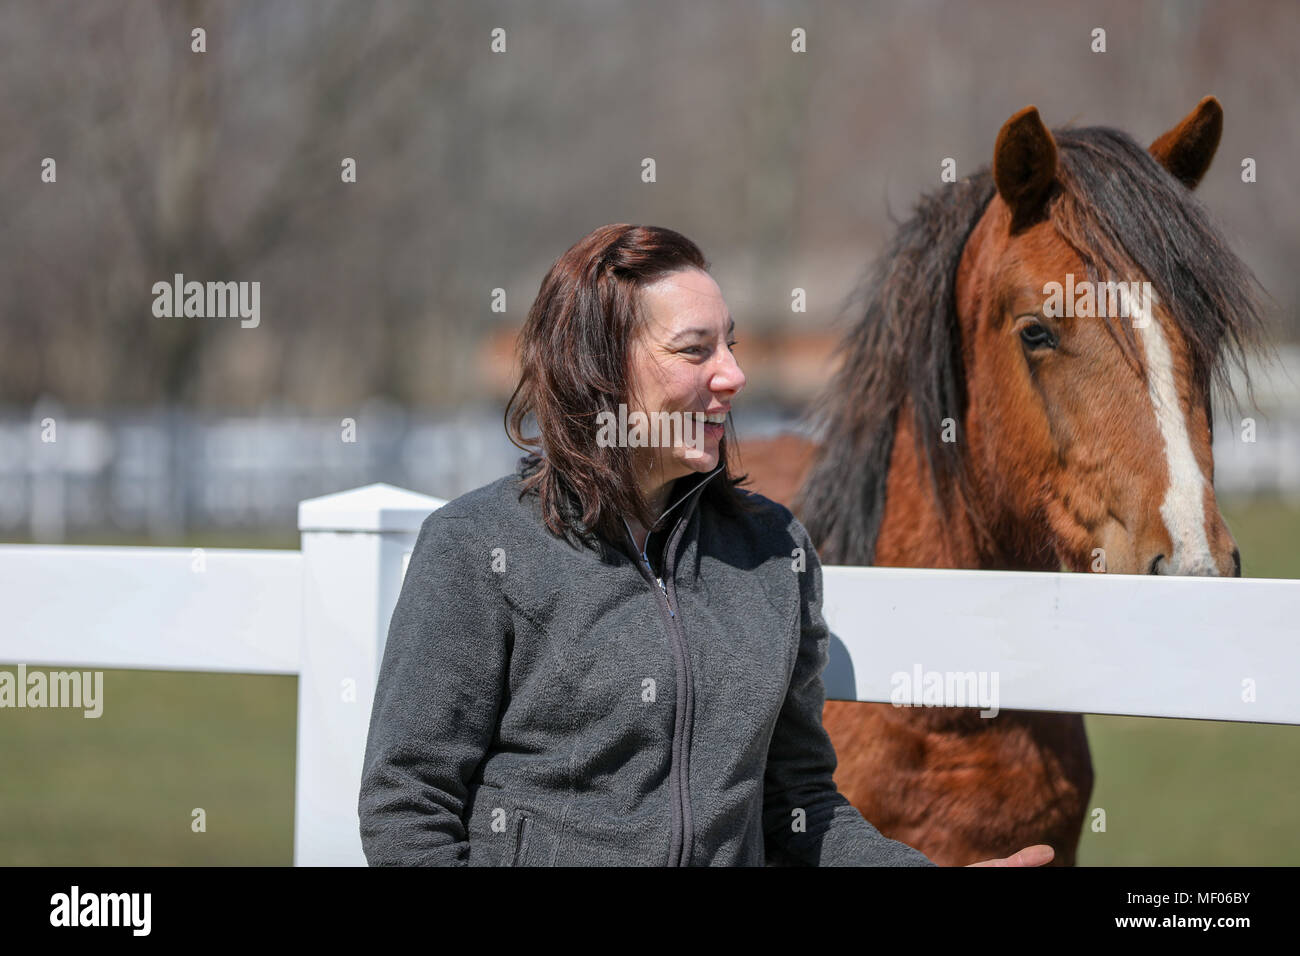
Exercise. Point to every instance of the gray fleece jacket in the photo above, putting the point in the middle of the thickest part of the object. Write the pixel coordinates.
(541, 703)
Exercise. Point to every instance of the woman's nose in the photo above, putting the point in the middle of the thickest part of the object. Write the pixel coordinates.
(730, 378)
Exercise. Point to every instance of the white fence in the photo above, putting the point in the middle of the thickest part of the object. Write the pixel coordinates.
(1209, 648)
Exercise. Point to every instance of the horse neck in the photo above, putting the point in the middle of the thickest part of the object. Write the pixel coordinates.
(915, 534)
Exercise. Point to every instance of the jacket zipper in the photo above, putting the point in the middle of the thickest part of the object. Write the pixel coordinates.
(675, 629)
(660, 581)
(675, 852)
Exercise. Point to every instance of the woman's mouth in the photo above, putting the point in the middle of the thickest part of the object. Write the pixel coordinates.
(714, 425)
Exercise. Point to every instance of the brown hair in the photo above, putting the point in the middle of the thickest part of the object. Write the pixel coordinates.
(574, 357)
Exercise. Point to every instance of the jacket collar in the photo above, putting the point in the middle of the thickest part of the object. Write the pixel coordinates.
(686, 487)
(686, 490)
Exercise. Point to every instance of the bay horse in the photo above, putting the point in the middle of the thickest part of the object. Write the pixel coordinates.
(971, 425)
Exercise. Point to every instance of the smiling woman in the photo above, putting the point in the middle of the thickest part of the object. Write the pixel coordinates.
(627, 321)
(675, 354)
(613, 656)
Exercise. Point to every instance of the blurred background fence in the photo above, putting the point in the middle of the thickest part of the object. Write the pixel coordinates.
(161, 474)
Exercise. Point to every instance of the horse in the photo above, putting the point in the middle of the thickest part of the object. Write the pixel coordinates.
(976, 421)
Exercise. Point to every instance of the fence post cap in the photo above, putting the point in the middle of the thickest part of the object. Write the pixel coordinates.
(376, 508)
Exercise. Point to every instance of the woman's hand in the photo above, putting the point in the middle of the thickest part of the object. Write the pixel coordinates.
(1035, 855)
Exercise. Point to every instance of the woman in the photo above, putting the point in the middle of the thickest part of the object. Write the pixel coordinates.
(614, 655)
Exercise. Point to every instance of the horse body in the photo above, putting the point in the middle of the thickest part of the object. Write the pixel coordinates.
(968, 426)
(957, 787)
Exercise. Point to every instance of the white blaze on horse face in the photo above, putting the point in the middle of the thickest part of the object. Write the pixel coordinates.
(1183, 509)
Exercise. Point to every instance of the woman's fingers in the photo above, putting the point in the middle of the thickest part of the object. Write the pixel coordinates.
(1035, 855)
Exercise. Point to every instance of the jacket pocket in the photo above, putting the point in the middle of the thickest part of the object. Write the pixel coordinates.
(506, 830)
(534, 838)
(521, 827)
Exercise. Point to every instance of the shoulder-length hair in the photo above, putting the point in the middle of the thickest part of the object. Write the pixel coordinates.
(575, 357)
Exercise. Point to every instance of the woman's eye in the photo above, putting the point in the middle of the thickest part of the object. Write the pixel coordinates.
(704, 349)
(1037, 336)
(732, 345)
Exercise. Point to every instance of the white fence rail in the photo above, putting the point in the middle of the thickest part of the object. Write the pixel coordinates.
(1138, 645)
(1218, 649)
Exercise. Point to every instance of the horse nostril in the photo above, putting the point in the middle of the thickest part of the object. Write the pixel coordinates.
(1155, 562)
(1236, 562)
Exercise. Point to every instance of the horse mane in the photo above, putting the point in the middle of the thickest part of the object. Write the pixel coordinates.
(1120, 210)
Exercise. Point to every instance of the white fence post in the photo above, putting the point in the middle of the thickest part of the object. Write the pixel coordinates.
(354, 550)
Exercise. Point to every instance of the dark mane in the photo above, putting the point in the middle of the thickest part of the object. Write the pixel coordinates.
(904, 346)
(1144, 223)
(1120, 211)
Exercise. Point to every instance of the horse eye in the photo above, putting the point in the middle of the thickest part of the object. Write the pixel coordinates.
(1036, 336)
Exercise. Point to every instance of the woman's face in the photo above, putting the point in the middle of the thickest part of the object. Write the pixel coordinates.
(682, 362)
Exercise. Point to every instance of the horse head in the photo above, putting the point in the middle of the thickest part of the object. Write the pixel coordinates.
(1089, 336)
(1046, 333)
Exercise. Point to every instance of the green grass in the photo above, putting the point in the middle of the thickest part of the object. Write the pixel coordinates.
(1268, 534)
(120, 789)
(1193, 793)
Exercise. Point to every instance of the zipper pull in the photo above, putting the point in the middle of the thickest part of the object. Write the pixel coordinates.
(660, 581)
(671, 612)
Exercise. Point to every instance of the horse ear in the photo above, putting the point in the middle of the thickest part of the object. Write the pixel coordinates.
(1024, 166)
(1188, 149)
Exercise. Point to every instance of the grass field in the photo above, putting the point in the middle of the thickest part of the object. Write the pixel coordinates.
(122, 789)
